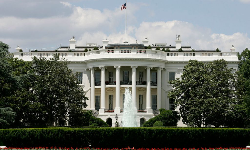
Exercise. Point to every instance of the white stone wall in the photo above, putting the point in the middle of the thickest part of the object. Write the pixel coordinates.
(169, 62)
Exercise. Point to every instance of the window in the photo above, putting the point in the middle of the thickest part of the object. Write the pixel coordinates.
(171, 76)
(171, 104)
(125, 77)
(140, 77)
(123, 100)
(140, 102)
(97, 78)
(154, 102)
(110, 102)
(110, 77)
(154, 78)
(79, 77)
(97, 102)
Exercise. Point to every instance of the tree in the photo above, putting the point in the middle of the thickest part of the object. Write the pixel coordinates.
(23, 100)
(8, 82)
(217, 50)
(243, 88)
(56, 91)
(15, 82)
(204, 93)
(167, 117)
(220, 92)
(6, 117)
(41, 92)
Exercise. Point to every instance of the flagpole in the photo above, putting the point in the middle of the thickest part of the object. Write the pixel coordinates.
(126, 24)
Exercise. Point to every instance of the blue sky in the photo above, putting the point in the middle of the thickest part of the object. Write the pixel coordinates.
(202, 24)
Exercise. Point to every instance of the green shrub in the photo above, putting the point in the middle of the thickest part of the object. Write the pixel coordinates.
(98, 121)
(167, 117)
(124, 137)
(84, 118)
(158, 124)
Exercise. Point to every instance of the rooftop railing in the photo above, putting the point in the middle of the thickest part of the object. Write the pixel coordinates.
(128, 53)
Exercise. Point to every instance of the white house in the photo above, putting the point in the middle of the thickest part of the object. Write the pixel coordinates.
(105, 73)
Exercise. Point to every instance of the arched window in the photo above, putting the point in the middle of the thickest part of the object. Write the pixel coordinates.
(142, 121)
(109, 122)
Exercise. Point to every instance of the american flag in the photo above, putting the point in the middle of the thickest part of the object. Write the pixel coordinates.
(123, 6)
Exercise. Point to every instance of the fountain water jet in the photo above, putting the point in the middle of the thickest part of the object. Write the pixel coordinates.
(129, 111)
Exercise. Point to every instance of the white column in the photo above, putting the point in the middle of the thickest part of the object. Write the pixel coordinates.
(92, 96)
(117, 106)
(102, 90)
(148, 107)
(159, 88)
(134, 84)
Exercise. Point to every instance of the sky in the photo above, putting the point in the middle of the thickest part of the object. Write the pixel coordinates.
(202, 24)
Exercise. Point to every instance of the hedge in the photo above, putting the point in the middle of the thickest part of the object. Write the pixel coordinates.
(124, 137)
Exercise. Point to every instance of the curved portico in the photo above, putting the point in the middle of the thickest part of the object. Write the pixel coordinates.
(111, 81)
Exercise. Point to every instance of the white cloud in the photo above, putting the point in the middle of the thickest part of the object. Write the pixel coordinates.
(92, 25)
(245, 1)
(197, 37)
(67, 4)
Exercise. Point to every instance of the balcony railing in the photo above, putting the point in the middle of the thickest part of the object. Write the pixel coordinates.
(126, 82)
(141, 82)
(109, 110)
(141, 111)
(98, 83)
(152, 83)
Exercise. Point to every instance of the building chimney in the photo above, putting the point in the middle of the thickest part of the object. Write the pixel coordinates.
(72, 43)
(105, 43)
(232, 49)
(18, 49)
(145, 42)
(178, 42)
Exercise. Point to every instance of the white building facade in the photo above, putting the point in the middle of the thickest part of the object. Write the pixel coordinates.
(105, 73)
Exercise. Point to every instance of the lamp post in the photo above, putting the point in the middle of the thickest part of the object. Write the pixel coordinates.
(116, 122)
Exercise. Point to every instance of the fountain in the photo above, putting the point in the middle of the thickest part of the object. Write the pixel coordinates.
(129, 111)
